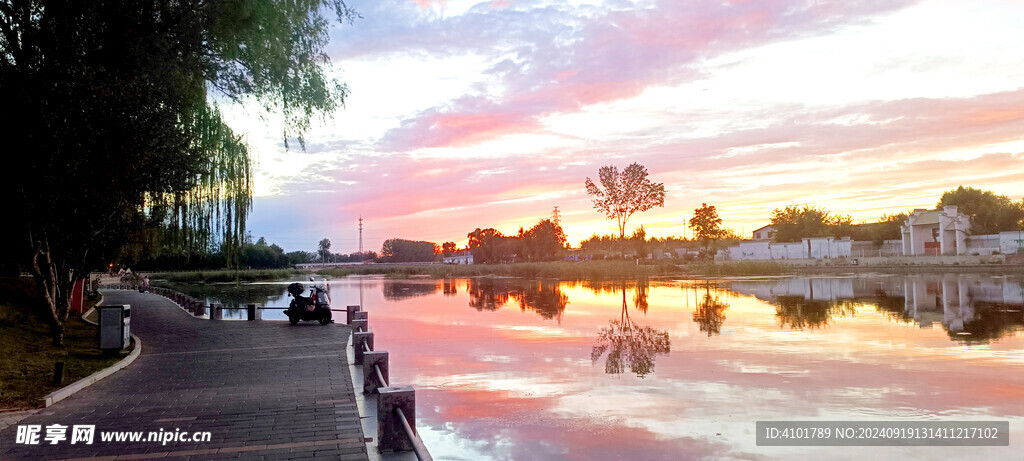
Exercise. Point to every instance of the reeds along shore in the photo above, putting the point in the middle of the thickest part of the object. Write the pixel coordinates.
(562, 270)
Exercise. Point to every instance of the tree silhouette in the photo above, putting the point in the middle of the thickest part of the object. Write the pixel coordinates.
(793, 223)
(542, 242)
(625, 193)
(324, 249)
(490, 246)
(707, 226)
(629, 345)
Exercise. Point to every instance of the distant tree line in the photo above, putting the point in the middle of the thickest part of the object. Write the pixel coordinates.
(545, 241)
(397, 250)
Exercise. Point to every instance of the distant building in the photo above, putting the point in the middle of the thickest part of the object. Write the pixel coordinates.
(807, 248)
(462, 257)
(764, 233)
(935, 232)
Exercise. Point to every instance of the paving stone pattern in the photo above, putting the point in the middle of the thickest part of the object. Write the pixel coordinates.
(264, 390)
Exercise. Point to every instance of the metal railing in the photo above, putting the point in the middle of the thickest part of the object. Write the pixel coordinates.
(396, 405)
(198, 307)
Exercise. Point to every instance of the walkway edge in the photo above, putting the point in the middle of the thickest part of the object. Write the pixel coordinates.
(70, 389)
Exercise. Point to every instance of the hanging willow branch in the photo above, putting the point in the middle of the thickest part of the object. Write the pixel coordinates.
(213, 206)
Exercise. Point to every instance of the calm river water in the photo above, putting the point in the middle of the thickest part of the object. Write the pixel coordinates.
(530, 370)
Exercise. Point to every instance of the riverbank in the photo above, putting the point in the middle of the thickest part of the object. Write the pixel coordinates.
(616, 270)
(226, 275)
(563, 270)
(27, 354)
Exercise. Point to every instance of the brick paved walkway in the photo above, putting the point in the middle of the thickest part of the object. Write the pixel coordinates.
(264, 390)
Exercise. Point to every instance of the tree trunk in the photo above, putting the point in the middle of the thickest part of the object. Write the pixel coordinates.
(55, 282)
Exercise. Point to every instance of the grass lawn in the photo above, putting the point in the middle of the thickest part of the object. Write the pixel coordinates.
(27, 354)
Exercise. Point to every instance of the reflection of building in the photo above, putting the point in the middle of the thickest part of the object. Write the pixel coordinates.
(983, 306)
(817, 289)
(935, 232)
(808, 248)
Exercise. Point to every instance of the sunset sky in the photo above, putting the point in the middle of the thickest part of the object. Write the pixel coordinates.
(467, 114)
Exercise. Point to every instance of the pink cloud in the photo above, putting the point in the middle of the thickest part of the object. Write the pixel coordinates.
(889, 160)
(559, 60)
(453, 130)
(609, 56)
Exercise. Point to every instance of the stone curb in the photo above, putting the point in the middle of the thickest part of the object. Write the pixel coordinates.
(67, 391)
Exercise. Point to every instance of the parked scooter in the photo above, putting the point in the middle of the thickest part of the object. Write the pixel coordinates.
(314, 307)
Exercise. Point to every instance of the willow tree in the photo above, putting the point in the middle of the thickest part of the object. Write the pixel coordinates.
(110, 121)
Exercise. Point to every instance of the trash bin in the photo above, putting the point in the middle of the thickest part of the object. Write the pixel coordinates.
(115, 323)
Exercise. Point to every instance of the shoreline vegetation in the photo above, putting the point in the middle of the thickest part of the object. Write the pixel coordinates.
(575, 271)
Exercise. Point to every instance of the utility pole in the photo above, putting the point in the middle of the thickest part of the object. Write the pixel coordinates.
(360, 235)
(556, 216)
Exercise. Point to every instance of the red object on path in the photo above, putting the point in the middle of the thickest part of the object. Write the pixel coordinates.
(77, 301)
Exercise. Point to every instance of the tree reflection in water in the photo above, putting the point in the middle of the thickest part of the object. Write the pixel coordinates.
(397, 290)
(893, 307)
(710, 313)
(628, 344)
(543, 297)
(991, 321)
(231, 295)
(972, 308)
(987, 322)
(450, 288)
(487, 295)
(798, 312)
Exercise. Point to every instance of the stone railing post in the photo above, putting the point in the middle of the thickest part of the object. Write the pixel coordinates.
(370, 381)
(391, 436)
(358, 340)
(350, 312)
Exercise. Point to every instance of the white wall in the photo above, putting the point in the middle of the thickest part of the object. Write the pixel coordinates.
(1011, 242)
(821, 248)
